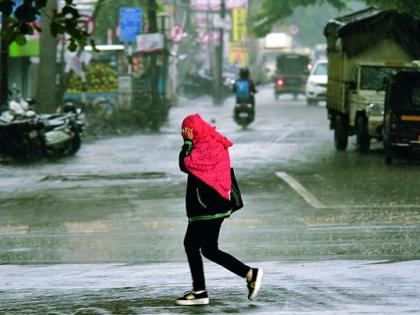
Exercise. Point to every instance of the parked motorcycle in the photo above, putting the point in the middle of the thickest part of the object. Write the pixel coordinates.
(62, 134)
(22, 139)
(26, 136)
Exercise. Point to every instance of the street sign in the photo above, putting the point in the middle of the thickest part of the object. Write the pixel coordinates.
(177, 32)
(150, 42)
(293, 29)
(131, 21)
(87, 23)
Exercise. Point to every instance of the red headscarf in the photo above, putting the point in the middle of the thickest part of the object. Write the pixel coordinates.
(209, 160)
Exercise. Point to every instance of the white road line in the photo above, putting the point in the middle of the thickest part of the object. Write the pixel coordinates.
(314, 202)
(306, 195)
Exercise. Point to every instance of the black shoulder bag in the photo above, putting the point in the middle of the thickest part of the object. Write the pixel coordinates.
(235, 193)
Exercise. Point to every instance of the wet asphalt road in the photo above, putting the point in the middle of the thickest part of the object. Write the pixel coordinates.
(101, 232)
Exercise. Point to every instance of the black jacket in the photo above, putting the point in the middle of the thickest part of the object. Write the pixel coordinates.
(202, 201)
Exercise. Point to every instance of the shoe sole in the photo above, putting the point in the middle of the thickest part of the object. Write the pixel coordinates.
(203, 301)
(258, 282)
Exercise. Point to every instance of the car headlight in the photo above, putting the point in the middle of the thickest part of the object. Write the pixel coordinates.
(375, 109)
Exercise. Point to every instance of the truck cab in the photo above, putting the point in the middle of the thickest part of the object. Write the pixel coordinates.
(366, 97)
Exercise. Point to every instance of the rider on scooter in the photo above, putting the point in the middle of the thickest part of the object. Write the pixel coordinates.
(244, 87)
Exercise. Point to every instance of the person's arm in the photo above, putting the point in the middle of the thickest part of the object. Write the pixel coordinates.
(252, 86)
(187, 135)
(185, 151)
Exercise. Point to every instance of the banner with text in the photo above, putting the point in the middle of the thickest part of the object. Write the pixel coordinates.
(239, 24)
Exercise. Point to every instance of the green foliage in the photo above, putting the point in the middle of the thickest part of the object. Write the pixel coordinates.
(411, 6)
(311, 21)
(20, 21)
(276, 11)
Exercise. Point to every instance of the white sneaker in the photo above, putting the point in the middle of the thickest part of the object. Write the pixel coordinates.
(192, 298)
(255, 283)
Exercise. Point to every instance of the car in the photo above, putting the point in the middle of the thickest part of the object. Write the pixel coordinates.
(316, 85)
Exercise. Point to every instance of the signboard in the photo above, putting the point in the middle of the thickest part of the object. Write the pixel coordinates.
(216, 5)
(238, 55)
(239, 24)
(206, 5)
(236, 4)
(151, 42)
(205, 37)
(131, 22)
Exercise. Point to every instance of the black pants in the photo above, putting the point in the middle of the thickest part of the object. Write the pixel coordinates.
(203, 235)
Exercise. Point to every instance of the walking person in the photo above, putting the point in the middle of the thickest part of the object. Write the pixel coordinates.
(205, 158)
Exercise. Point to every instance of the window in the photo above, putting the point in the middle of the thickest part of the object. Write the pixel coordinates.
(372, 77)
(321, 69)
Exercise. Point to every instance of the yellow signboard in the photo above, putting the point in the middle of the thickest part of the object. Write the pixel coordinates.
(238, 55)
(239, 24)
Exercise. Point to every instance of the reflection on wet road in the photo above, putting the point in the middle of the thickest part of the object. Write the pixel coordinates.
(101, 233)
(326, 287)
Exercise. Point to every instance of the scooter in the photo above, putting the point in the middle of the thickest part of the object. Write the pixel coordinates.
(26, 136)
(244, 112)
(62, 134)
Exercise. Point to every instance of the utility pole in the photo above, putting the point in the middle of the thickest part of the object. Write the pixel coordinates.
(219, 49)
(154, 75)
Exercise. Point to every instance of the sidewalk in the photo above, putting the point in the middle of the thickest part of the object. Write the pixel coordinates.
(327, 287)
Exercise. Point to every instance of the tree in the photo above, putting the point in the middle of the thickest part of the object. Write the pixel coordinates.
(21, 20)
(275, 11)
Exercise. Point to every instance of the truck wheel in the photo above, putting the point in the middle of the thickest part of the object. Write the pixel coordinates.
(311, 102)
(340, 133)
(389, 155)
(362, 134)
(388, 159)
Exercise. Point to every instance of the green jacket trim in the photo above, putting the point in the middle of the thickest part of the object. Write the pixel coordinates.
(210, 217)
(199, 199)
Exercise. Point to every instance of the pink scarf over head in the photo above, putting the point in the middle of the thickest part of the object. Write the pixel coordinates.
(209, 160)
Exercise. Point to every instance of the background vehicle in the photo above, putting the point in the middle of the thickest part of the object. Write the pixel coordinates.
(244, 114)
(316, 86)
(402, 115)
(359, 58)
(272, 45)
(291, 74)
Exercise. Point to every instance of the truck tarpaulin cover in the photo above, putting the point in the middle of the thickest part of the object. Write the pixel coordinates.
(363, 29)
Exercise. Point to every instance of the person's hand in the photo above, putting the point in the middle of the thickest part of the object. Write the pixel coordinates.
(187, 134)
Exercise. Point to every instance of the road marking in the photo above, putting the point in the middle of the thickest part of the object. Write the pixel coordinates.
(306, 195)
(314, 202)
